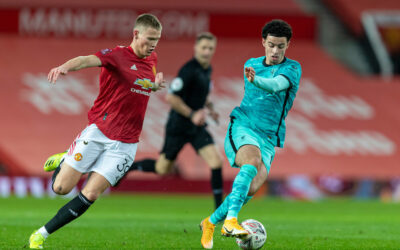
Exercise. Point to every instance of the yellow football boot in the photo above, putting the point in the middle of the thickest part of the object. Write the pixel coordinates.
(208, 231)
(53, 162)
(36, 240)
(232, 228)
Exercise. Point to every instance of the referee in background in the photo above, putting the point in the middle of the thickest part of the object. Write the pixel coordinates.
(190, 104)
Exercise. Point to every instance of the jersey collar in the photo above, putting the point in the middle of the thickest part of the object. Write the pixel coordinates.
(267, 65)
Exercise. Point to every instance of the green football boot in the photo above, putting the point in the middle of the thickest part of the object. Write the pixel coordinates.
(36, 240)
(53, 162)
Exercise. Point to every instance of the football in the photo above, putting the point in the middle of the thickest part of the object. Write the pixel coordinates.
(257, 236)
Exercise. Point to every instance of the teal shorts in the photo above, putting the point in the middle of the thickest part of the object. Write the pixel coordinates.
(240, 133)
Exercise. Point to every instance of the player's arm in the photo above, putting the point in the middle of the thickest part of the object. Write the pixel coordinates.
(74, 64)
(210, 106)
(271, 85)
(177, 104)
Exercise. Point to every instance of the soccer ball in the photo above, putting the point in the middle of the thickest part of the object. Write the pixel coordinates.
(257, 236)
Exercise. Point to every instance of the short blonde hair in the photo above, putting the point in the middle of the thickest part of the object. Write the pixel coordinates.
(148, 20)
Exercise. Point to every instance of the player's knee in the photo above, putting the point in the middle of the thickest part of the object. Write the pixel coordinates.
(163, 170)
(255, 161)
(60, 189)
(216, 164)
(91, 195)
(163, 167)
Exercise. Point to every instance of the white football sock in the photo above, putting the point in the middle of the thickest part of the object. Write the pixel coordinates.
(44, 232)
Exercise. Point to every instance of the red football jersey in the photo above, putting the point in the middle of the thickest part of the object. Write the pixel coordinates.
(125, 86)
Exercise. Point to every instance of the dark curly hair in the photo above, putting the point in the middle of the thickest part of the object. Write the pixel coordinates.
(278, 28)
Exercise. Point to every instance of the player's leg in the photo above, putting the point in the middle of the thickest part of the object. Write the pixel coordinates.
(63, 184)
(239, 136)
(66, 179)
(145, 165)
(95, 185)
(258, 181)
(236, 137)
(204, 144)
(164, 165)
(267, 150)
(161, 166)
(249, 159)
(212, 157)
(173, 143)
(267, 155)
(82, 154)
(208, 224)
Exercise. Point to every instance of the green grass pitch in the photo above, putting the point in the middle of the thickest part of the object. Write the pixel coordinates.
(171, 222)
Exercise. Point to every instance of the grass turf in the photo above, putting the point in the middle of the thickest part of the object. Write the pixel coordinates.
(171, 222)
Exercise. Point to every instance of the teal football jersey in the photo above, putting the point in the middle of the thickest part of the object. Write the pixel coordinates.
(267, 111)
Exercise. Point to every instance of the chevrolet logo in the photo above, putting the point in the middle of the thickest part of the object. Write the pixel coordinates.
(145, 83)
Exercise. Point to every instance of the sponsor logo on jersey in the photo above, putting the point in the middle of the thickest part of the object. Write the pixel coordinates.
(78, 157)
(141, 92)
(144, 83)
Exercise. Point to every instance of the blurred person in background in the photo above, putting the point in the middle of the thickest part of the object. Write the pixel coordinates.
(257, 126)
(189, 100)
(107, 146)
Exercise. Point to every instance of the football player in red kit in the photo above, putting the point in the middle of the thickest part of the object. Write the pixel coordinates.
(106, 148)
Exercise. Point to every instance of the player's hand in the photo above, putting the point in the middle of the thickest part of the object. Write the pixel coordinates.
(249, 72)
(159, 82)
(214, 115)
(56, 72)
(199, 117)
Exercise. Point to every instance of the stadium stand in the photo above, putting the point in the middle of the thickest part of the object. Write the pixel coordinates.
(377, 26)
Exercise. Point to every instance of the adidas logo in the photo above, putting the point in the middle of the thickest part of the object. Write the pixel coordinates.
(133, 67)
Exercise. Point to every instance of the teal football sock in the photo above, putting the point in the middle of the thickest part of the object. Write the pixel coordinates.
(240, 189)
(220, 213)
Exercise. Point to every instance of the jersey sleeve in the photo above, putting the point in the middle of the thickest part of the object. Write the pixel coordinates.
(180, 84)
(292, 72)
(107, 57)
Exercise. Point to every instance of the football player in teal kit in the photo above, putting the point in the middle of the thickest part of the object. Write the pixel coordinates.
(257, 126)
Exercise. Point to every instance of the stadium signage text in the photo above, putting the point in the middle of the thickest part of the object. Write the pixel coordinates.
(109, 23)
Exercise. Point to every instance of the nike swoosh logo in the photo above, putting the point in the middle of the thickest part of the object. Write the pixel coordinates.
(73, 212)
(229, 232)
